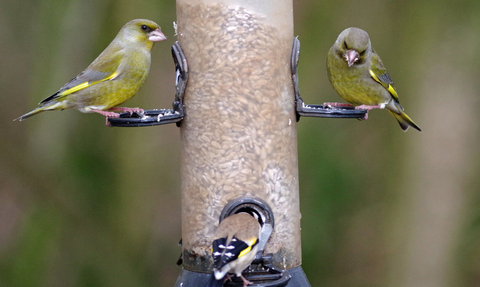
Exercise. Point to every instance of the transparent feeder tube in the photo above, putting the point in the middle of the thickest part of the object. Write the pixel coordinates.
(239, 135)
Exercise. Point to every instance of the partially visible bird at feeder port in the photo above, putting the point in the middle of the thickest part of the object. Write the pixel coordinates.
(112, 78)
(359, 77)
(234, 247)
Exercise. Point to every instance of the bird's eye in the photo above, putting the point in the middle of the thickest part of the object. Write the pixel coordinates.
(345, 44)
(144, 27)
(363, 52)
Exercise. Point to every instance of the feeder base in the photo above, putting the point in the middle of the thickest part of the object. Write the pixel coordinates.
(196, 279)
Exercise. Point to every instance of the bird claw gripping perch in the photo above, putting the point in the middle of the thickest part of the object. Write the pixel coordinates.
(321, 111)
(261, 272)
(161, 116)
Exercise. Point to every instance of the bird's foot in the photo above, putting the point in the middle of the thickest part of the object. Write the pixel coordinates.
(337, 105)
(107, 115)
(245, 281)
(365, 117)
(129, 110)
(368, 108)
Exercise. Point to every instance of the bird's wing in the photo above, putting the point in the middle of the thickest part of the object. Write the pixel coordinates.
(381, 76)
(101, 70)
(225, 252)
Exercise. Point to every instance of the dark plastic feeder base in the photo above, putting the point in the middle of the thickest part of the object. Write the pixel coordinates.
(197, 279)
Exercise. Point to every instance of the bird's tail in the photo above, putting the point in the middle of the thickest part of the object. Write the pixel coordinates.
(44, 106)
(405, 121)
(31, 113)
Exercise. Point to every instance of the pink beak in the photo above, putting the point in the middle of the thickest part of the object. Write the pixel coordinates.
(351, 56)
(156, 36)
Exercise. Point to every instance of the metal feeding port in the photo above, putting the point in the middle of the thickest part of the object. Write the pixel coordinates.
(161, 116)
(318, 111)
(261, 272)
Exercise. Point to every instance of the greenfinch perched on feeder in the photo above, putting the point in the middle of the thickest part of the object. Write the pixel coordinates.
(359, 77)
(113, 77)
(234, 247)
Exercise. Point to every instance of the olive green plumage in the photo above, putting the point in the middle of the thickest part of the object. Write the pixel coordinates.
(113, 77)
(359, 77)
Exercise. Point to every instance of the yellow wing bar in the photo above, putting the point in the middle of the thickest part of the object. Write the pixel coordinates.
(389, 87)
(86, 85)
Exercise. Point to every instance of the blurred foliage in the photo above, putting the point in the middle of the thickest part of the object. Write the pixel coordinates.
(86, 205)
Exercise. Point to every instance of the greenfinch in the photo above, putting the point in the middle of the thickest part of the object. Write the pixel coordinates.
(234, 247)
(359, 77)
(113, 77)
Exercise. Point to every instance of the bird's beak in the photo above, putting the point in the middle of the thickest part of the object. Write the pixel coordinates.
(351, 56)
(156, 36)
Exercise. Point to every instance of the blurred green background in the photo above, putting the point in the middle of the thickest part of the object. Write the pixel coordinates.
(86, 205)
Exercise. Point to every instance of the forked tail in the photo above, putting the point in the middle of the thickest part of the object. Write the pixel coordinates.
(405, 121)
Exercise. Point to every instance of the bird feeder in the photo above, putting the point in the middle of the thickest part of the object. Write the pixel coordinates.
(239, 132)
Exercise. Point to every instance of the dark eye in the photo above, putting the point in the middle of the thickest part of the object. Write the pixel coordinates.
(363, 52)
(145, 28)
(345, 44)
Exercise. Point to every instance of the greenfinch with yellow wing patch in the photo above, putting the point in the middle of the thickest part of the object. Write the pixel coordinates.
(359, 77)
(113, 77)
